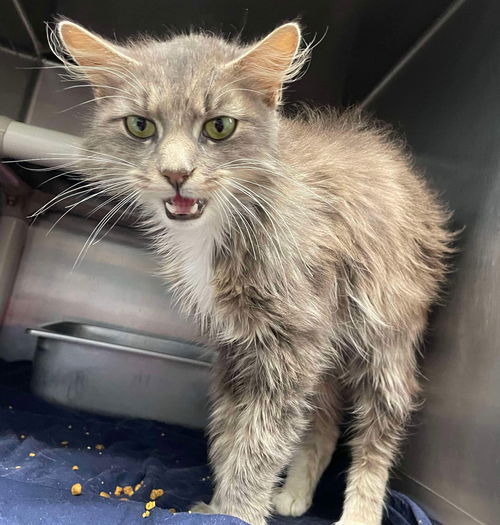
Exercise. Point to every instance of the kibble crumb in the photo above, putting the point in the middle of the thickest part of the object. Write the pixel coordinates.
(74, 467)
(128, 490)
(150, 505)
(138, 486)
(104, 494)
(18, 466)
(172, 510)
(123, 499)
(76, 489)
(118, 490)
(156, 493)
(99, 447)
(31, 454)
(64, 443)
(146, 514)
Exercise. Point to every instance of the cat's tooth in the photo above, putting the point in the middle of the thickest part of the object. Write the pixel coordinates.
(170, 207)
(194, 208)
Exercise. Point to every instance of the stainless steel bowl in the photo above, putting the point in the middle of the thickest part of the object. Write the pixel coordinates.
(111, 371)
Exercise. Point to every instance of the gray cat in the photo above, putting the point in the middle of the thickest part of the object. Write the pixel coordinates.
(308, 249)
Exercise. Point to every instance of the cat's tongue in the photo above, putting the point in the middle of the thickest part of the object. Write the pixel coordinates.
(184, 208)
(184, 205)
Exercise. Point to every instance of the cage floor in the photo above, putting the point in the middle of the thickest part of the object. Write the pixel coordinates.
(40, 445)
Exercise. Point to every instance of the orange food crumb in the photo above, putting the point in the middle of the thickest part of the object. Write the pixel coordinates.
(128, 491)
(76, 489)
(74, 467)
(104, 494)
(172, 510)
(150, 505)
(18, 466)
(146, 513)
(118, 490)
(123, 499)
(156, 493)
(138, 486)
(31, 454)
(99, 447)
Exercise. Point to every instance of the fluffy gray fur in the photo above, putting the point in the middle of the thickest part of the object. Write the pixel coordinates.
(312, 267)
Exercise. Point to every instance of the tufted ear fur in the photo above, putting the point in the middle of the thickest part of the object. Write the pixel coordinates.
(273, 61)
(97, 59)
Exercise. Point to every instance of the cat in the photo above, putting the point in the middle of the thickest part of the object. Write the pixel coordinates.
(308, 249)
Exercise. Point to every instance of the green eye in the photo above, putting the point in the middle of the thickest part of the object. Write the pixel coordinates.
(140, 127)
(219, 128)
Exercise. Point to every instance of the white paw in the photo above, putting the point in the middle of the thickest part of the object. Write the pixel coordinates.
(203, 508)
(291, 504)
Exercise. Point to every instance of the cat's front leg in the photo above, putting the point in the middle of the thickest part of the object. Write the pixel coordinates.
(260, 413)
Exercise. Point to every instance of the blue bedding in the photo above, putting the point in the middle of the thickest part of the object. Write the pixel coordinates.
(40, 444)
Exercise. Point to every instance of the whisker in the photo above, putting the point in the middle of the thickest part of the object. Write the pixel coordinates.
(99, 227)
(95, 99)
(283, 223)
(128, 210)
(78, 175)
(95, 86)
(247, 225)
(85, 199)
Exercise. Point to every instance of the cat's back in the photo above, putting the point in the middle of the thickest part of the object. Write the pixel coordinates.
(315, 140)
(358, 161)
(372, 205)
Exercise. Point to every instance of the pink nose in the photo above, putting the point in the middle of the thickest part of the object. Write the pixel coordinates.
(176, 178)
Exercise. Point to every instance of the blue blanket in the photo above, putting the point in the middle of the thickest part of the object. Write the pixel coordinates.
(41, 444)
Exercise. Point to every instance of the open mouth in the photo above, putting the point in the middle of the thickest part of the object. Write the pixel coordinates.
(181, 208)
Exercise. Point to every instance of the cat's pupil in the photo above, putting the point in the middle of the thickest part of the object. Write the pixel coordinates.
(141, 124)
(219, 125)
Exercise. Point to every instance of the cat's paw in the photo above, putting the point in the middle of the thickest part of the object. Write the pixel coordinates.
(289, 503)
(203, 508)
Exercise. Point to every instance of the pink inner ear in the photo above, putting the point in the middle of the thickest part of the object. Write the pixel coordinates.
(269, 60)
(285, 40)
(88, 49)
(276, 50)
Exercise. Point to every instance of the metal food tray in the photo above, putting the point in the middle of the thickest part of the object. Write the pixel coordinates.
(110, 371)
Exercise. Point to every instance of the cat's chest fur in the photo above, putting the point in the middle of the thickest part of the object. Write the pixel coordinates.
(191, 270)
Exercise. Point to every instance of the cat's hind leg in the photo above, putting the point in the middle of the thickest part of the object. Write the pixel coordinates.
(384, 390)
(313, 455)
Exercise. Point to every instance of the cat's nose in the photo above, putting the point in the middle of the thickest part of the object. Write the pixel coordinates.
(177, 178)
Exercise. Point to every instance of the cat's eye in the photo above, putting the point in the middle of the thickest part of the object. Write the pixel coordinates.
(219, 128)
(140, 127)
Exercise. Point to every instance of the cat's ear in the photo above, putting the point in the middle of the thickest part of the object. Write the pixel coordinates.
(96, 59)
(273, 61)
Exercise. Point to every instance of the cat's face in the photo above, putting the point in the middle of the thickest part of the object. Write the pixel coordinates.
(187, 127)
